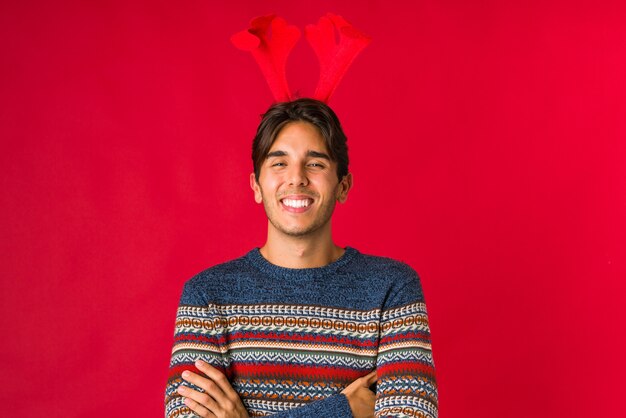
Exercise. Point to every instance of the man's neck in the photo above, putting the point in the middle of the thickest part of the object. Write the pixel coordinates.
(300, 252)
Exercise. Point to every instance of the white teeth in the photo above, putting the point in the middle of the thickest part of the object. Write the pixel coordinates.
(292, 203)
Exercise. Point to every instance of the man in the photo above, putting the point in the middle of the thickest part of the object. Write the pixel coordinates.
(302, 327)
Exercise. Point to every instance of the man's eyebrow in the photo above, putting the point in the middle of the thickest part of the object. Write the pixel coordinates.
(317, 154)
(275, 154)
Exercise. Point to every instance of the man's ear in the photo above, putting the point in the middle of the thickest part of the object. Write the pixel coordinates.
(344, 187)
(258, 197)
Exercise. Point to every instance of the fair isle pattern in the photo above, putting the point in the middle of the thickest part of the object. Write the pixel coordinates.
(280, 356)
(266, 408)
(276, 357)
(406, 385)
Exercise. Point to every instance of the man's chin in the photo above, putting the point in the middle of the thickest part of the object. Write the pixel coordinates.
(296, 231)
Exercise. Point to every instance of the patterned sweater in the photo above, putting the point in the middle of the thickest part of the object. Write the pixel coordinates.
(290, 340)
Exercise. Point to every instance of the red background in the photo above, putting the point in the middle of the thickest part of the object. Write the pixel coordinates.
(488, 148)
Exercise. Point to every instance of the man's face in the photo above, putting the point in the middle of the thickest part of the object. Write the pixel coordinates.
(298, 182)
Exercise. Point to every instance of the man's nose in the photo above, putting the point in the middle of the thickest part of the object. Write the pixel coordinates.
(297, 175)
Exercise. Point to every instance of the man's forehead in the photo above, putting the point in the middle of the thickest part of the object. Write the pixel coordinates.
(299, 139)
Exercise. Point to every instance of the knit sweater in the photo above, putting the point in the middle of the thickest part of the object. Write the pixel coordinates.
(290, 340)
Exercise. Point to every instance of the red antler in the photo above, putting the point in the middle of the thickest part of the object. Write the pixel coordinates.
(270, 50)
(334, 58)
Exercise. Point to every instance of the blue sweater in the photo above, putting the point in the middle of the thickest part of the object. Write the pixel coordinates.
(289, 340)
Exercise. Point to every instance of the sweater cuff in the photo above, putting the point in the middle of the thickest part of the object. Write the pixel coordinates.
(335, 406)
(343, 406)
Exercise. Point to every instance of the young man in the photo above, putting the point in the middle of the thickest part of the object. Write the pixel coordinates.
(302, 327)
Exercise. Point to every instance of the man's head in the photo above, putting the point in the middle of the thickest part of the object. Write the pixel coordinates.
(312, 111)
(300, 167)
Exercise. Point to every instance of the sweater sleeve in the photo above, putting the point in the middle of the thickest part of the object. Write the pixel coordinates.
(406, 383)
(196, 336)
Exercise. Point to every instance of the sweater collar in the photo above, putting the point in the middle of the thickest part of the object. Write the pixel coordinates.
(255, 258)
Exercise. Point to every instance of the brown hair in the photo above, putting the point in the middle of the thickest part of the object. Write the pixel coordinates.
(312, 111)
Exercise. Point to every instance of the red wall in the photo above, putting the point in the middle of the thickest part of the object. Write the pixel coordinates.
(488, 148)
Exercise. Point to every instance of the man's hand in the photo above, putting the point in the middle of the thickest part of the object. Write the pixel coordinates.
(219, 400)
(360, 397)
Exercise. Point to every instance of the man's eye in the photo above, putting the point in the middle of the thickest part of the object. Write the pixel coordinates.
(318, 165)
(278, 164)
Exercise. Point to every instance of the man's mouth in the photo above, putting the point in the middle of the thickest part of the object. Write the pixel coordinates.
(297, 203)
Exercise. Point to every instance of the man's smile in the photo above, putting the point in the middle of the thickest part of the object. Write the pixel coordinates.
(296, 203)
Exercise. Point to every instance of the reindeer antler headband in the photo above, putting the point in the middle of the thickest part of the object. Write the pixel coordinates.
(270, 40)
